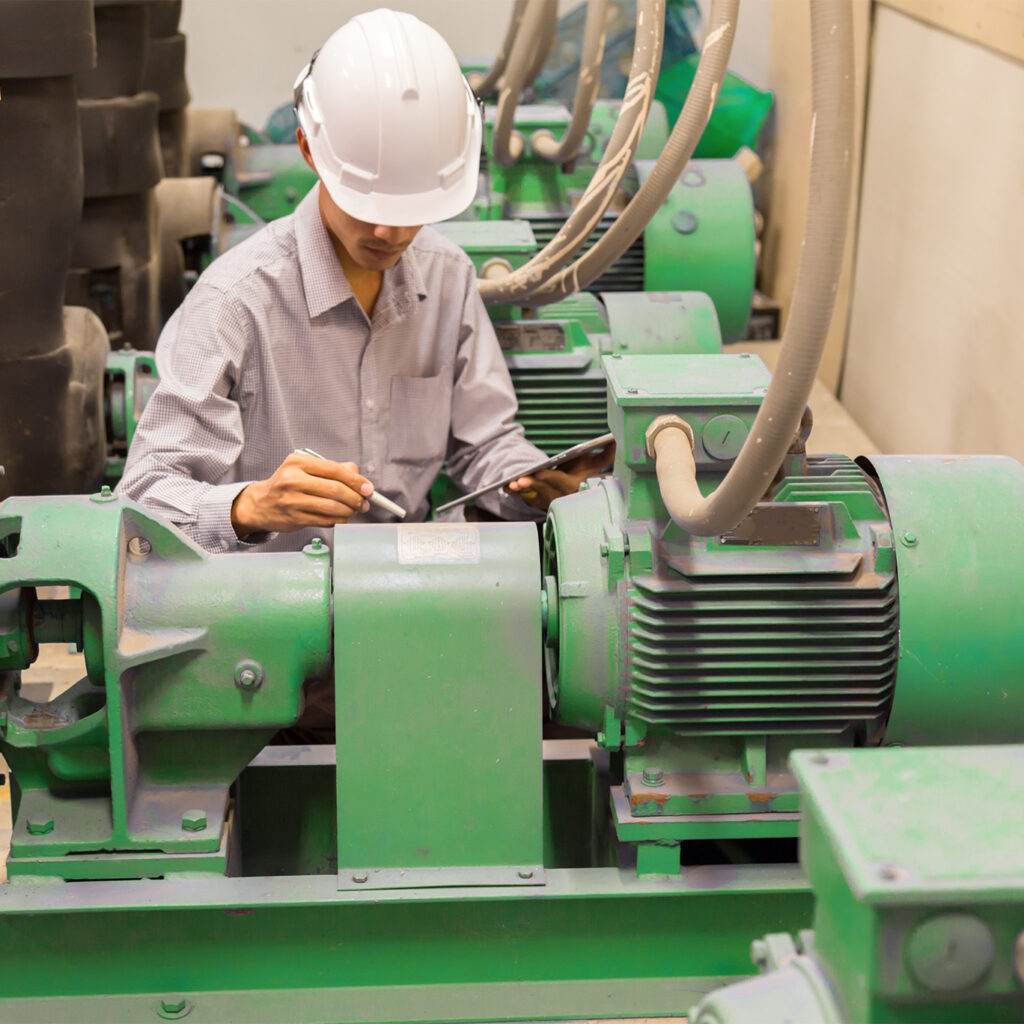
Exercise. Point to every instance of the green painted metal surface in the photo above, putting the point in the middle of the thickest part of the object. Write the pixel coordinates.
(702, 239)
(960, 557)
(296, 949)
(441, 651)
(162, 725)
(131, 378)
(916, 863)
(708, 660)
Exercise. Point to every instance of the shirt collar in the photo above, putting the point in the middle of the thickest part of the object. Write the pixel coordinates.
(324, 281)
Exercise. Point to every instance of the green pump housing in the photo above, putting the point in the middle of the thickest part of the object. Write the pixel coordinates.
(908, 927)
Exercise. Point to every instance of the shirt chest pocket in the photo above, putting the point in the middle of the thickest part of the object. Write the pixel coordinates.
(420, 418)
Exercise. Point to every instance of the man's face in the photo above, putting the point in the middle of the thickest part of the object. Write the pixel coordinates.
(370, 246)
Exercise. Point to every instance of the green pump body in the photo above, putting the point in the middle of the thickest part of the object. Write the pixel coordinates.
(907, 927)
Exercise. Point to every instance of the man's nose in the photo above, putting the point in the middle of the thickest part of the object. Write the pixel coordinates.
(391, 235)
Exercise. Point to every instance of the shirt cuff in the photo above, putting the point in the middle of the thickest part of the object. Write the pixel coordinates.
(214, 531)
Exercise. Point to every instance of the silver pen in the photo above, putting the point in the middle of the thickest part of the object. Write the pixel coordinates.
(376, 499)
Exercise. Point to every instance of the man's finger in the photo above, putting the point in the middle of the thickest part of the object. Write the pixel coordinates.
(344, 472)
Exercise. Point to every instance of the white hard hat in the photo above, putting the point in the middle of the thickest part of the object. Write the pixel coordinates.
(393, 127)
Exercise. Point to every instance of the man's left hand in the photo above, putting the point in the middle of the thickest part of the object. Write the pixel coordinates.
(542, 488)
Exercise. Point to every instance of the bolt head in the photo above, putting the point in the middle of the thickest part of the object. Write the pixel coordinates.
(909, 538)
(249, 675)
(173, 1004)
(39, 825)
(652, 777)
(525, 874)
(12, 646)
(317, 544)
(193, 821)
(359, 879)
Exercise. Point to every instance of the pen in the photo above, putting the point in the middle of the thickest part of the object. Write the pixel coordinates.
(376, 499)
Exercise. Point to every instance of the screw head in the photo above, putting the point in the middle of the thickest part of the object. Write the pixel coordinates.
(39, 825)
(525, 874)
(892, 873)
(819, 758)
(652, 777)
(174, 1007)
(359, 879)
(909, 538)
(317, 543)
(12, 645)
(139, 547)
(193, 821)
(633, 391)
(104, 494)
(249, 675)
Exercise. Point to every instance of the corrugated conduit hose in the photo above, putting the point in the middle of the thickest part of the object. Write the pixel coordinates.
(616, 161)
(813, 299)
(542, 142)
(482, 85)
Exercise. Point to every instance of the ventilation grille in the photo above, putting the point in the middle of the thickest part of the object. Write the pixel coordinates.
(560, 406)
(761, 654)
(626, 274)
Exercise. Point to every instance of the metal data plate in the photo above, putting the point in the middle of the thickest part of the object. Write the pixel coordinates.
(530, 336)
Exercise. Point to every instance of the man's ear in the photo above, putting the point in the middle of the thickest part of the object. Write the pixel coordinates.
(300, 138)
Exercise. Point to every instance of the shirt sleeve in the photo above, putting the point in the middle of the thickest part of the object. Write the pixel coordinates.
(486, 442)
(190, 435)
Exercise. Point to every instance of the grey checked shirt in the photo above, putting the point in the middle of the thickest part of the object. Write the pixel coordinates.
(271, 351)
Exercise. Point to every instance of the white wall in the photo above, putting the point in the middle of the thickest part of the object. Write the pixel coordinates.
(935, 359)
(245, 54)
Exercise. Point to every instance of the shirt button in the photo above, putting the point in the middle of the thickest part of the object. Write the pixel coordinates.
(371, 467)
(369, 403)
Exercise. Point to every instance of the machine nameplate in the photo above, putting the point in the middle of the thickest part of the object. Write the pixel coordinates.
(438, 544)
(530, 336)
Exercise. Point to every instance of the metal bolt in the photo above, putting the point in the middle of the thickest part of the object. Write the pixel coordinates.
(819, 758)
(359, 879)
(891, 873)
(317, 544)
(249, 675)
(759, 953)
(104, 491)
(525, 874)
(174, 1007)
(604, 549)
(139, 547)
(12, 646)
(633, 391)
(193, 821)
(909, 538)
(652, 777)
(39, 825)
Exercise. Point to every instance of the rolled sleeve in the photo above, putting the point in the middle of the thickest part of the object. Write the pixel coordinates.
(190, 436)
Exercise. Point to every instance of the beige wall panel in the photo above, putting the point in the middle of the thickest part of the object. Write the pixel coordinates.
(995, 23)
(245, 54)
(789, 77)
(935, 360)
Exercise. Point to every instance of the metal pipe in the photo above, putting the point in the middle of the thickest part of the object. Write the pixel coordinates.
(542, 141)
(604, 185)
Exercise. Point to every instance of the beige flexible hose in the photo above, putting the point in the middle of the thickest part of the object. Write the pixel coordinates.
(507, 146)
(548, 31)
(813, 299)
(686, 133)
(542, 142)
(483, 85)
(618, 156)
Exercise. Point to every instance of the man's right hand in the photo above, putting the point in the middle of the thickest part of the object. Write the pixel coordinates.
(304, 491)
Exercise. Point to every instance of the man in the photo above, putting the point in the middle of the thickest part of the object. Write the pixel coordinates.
(342, 329)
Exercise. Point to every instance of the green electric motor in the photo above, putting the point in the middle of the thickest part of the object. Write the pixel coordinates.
(822, 619)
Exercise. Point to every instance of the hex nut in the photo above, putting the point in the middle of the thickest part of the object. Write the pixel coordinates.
(249, 675)
(39, 825)
(193, 821)
(652, 777)
(660, 423)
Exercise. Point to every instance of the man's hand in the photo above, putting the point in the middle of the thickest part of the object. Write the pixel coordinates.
(542, 489)
(304, 491)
